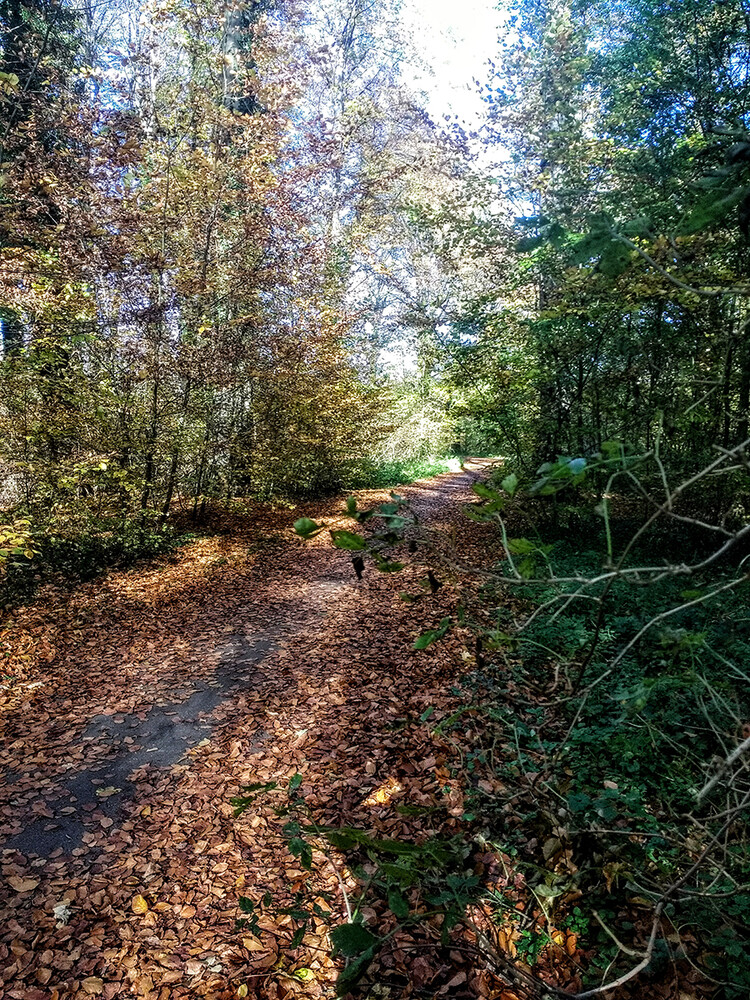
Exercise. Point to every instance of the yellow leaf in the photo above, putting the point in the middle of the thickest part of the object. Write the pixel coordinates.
(104, 793)
(242, 990)
(139, 905)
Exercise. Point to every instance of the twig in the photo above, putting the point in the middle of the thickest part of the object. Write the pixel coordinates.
(643, 964)
(734, 756)
(618, 942)
(673, 611)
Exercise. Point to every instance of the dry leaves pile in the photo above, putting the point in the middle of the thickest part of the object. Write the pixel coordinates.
(303, 670)
(143, 902)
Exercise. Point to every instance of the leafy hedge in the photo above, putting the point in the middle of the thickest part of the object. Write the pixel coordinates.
(84, 555)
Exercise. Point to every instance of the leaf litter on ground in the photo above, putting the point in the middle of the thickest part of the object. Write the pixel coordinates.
(147, 902)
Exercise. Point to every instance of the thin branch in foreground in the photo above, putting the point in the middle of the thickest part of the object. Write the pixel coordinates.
(724, 767)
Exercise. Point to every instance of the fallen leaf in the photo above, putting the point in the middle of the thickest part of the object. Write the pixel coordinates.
(139, 905)
(251, 942)
(23, 884)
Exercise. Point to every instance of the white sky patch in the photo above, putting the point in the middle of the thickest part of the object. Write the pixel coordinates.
(454, 40)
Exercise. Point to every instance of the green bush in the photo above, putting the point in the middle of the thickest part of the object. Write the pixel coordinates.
(370, 474)
(85, 555)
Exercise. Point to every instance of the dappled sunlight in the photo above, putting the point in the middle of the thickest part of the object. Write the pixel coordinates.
(294, 682)
(382, 795)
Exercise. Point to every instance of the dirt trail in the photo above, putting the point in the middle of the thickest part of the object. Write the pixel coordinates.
(238, 660)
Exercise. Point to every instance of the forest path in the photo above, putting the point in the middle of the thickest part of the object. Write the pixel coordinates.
(246, 657)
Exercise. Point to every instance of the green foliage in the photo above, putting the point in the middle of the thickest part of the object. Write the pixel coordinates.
(348, 540)
(415, 880)
(372, 474)
(655, 689)
(306, 528)
(433, 635)
(85, 554)
(353, 940)
(16, 542)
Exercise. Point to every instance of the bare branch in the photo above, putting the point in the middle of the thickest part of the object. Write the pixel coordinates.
(731, 759)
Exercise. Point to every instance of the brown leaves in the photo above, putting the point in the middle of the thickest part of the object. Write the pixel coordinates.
(23, 884)
(148, 904)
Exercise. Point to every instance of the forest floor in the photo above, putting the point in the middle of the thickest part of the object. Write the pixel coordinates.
(151, 696)
(144, 701)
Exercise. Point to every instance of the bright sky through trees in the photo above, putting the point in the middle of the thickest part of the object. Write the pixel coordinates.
(454, 42)
(261, 254)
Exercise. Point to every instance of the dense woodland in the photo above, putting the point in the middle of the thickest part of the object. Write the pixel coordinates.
(223, 224)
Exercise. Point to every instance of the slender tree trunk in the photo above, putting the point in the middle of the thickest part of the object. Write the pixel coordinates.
(174, 460)
(726, 403)
(150, 453)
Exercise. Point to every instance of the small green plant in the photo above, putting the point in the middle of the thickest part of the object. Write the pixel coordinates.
(609, 712)
(369, 474)
(78, 553)
(412, 881)
(16, 542)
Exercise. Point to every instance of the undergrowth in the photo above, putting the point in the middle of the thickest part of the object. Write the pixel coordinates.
(370, 474)
(84, 554)
(600, 779)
